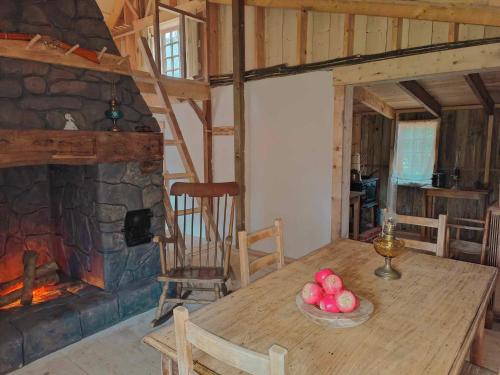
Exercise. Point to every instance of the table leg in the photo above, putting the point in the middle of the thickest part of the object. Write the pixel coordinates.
(476, 349)
(355, 222)
(424, 214)
(167, 366)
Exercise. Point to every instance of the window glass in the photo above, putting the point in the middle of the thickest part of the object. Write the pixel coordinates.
(171, 57)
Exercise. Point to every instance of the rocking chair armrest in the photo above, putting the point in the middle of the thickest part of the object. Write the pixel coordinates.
(163, 239)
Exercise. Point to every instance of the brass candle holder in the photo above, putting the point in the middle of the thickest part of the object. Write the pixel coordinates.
(389, 247)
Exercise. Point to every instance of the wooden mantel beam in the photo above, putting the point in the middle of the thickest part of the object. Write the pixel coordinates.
(415, 90)
(447, 11)
(374, 102)
(477, 86)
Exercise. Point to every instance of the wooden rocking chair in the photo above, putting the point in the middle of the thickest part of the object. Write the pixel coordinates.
(201, 253)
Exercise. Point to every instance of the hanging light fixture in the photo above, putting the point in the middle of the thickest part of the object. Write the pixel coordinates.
(114, 113)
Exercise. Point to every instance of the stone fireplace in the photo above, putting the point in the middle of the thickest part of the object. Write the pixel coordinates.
(72, 215)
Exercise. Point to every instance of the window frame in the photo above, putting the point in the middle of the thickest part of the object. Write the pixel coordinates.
(394, 161)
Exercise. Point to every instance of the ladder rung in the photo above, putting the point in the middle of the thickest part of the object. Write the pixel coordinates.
(177, 176)
(173, 142)
(189, 211)
(159, 110)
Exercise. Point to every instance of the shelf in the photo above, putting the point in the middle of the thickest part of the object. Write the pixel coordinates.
(38, 147)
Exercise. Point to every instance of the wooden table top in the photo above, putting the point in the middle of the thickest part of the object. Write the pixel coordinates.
(422, 323)
(455, 193)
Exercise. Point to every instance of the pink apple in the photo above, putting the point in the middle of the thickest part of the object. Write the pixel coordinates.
(312, 293)
(328, 303)
(332, 284)
(321, 274)
(346, 301)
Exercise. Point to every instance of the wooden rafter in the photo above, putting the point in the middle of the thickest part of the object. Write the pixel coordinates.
(415, 90)
(477, 86)
(448, 11)
(374, 102)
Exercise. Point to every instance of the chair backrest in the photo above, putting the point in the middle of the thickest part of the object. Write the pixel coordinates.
(438, 248)
(490, 249)
(202, 212)
(187, 335)
(247, 239)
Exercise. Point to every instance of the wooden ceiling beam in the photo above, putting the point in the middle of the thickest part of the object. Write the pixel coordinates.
(115, 14)
(447, 11)
(374, 102)
(477, 86)
(425, 65)
(417, 92)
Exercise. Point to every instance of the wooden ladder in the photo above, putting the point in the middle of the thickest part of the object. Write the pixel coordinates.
(177, 141)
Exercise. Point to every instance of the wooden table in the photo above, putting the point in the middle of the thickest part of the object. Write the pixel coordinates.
(424, 323)
(355, 202)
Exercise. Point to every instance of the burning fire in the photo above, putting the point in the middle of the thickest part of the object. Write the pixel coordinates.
(42, 294)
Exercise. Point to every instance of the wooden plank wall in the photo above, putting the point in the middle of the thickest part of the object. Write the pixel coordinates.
(462, 131)
(325, 34)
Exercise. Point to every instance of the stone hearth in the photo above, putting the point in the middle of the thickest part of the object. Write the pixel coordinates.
(73, 215)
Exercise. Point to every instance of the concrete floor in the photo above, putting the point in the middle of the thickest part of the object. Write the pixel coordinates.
(115, 351)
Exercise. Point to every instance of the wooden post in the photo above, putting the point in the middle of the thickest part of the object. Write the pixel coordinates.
(489, 140)
(260, 33)
(302, 18)
(182, 39)
(342, 142)
(156, 30)
(208, 142)
(213, 38)
(238, 11)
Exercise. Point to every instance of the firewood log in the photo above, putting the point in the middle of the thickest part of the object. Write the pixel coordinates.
(29, 260)
(49, 279)
(42, 270)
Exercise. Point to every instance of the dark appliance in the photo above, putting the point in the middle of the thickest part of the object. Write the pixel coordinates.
(439, 179)
(138, 227)
(368, 185)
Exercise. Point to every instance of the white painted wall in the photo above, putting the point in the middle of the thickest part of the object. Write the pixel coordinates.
(289, 153)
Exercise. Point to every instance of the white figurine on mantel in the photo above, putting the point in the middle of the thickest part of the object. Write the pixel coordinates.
(70, 122)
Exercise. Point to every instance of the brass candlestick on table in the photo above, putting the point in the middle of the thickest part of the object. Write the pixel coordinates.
(389, 247)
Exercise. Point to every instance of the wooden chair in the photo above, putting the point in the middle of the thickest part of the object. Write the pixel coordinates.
(247, 239)
(438, 248)
(198, 262)
(457, 245)
(187, 335)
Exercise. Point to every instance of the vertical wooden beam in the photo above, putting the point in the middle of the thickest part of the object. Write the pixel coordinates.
(260, 36)
(208, 142)
(213, 38)
(302, 17)
(342, 142)
(453, 29)
(156, 30)
(348, 44)
(397, 33)
(182, 49)
(129, 16)
(356, 134)
(489, 140)
(238, 16)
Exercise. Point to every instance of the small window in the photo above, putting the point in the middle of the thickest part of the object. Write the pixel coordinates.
(170, 47)
(415, 152)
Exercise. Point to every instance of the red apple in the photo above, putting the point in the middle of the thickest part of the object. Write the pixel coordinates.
(328, 303)
(312, 293)
(346, 301)
(321, 274)
(332, 284)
